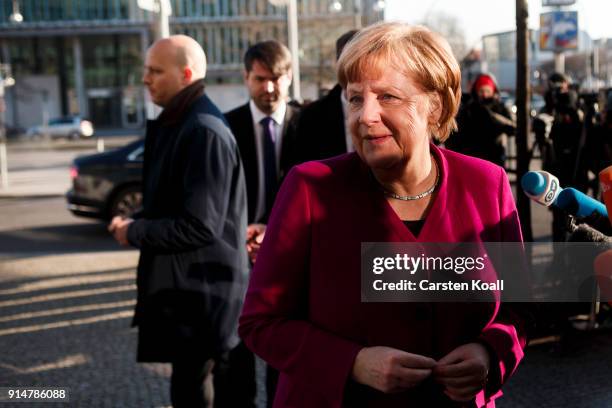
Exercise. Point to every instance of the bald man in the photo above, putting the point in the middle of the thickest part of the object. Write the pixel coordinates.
(191, 231)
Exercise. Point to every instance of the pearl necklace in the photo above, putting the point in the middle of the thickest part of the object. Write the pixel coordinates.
(418, 196)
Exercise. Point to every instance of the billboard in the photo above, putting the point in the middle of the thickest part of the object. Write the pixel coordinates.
(559, 31)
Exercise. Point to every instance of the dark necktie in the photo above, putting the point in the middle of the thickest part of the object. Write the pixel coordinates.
(269, 158)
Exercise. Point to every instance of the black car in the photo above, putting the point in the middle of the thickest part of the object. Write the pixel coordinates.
(107, 184)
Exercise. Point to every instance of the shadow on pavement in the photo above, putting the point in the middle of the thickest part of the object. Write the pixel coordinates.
(58, 239)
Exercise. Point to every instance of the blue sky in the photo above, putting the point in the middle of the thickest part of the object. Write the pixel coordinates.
(480, 17)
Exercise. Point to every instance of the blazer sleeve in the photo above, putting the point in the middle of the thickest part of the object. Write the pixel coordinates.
(505, 336)
(211, 169)
(274, 319)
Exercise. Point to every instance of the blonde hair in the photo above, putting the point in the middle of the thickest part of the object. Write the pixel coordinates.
(415, 51)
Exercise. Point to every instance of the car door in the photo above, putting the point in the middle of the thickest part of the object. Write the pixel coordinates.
(65, 127)
(57, 127)
(51, 128)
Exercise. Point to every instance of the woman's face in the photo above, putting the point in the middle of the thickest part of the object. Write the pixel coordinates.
(388, 118)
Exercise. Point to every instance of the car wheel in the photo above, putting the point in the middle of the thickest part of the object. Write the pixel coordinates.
(126, 202)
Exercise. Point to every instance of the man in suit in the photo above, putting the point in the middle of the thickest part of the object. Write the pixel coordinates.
(264, 128)
(193, 268)
(321, 130)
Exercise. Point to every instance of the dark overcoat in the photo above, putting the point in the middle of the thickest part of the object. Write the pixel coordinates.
(321, 132)
(192, 271)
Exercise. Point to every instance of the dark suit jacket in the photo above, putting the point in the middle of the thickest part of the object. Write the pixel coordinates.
(320, 128)
(241, 123)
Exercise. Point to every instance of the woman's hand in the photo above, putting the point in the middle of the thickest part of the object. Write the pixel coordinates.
(463, 372)
(390, 370)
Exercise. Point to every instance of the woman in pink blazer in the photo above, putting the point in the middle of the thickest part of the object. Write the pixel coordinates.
(303, 312)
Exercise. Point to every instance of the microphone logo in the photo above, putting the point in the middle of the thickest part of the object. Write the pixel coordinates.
(550, 196)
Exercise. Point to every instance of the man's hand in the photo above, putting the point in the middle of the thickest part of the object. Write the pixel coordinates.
(255, 235)
(463, 372)
(390, 370)
(119, 227)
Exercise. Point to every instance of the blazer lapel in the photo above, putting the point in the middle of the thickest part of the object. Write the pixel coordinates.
(437, 217)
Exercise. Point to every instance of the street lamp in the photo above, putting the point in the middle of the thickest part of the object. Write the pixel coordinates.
(16, 17)
(335, 7)
(379, 5)
(162, 9)
(292, 26)
(6, 80)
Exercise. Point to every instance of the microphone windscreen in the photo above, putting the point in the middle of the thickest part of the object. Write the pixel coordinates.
(533, 183)
(579, 204)
(541, 186)
(586, 233)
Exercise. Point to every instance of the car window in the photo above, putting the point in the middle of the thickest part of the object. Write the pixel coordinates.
(55, 121)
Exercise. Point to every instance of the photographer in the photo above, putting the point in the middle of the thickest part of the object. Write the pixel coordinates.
(558, 130)
(483, 123)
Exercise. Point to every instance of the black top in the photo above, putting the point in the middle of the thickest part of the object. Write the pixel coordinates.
(415, 226)
(320, 129)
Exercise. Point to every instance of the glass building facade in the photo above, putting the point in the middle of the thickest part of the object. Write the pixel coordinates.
(85, 56)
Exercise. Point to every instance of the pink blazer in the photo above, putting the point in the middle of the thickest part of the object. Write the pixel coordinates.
(303, 313)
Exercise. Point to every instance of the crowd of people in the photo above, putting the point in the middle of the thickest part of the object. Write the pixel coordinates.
(260, 213)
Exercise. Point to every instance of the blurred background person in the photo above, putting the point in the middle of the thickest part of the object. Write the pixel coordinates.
(322, 129)
(597, 153)
(484, 123)
(303, 312)
(558, 130)
(264, 129)
(193, 267)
